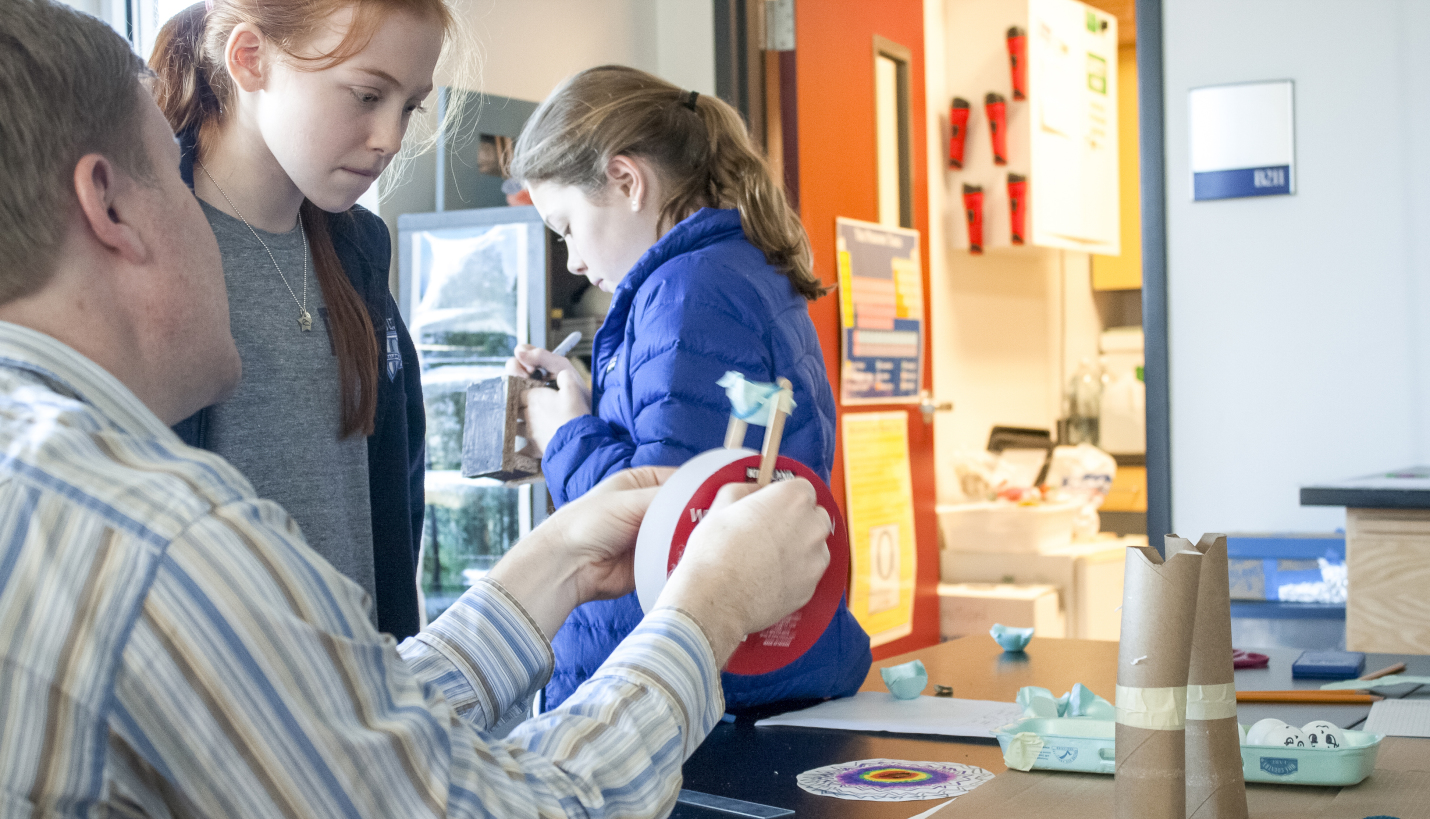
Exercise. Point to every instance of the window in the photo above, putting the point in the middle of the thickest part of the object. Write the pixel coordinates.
(892, 131)
(147, 17)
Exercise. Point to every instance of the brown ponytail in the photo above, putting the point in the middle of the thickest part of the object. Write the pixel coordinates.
(193, 90)
(705, 155)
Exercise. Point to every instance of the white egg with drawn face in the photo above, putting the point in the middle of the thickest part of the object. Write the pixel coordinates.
(1289, 736)
(1324, 735)
(1256, 734)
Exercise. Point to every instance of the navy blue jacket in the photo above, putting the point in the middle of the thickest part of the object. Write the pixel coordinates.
(700, 302)
(396, 457)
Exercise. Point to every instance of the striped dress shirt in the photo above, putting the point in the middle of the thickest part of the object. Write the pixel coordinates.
(172, 647)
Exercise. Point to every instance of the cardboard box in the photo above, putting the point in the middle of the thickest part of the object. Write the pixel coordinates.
(1088, 577)
(973, 608)
(1128, 492)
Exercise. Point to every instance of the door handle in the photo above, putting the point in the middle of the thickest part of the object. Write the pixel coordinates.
(928, 406)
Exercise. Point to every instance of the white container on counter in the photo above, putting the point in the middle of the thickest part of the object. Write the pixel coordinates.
(995, 526)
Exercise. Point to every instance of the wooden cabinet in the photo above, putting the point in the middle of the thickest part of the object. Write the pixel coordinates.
(1124, 272)
(1387, 575)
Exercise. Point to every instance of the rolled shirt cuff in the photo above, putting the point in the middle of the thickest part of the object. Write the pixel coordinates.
(485, 653)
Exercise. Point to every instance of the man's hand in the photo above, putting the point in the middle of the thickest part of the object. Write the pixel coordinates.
(545, 410)
(600, 530)
(756, 557)
(584, 551)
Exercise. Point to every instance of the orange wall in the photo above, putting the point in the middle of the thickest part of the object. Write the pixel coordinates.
(835, 96)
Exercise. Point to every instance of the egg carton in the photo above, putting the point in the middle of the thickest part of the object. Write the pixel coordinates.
(1087, 746)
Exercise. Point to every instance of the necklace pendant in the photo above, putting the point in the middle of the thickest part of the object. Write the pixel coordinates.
(305, 321)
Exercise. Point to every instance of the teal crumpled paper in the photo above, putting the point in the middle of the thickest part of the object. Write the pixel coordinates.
(1038, 702)
(1011, 639)
(753, 401)
(905, 681)
(1079, 702)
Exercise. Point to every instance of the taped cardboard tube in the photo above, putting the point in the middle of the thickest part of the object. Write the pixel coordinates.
(1205, 702)
(1215, 787)
(1156, 709)
(1158, 609)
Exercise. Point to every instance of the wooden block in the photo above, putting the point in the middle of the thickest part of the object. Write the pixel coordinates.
(489, 434)
(1388, 572)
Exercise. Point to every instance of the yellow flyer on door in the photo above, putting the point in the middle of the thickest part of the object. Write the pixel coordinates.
(879, 500)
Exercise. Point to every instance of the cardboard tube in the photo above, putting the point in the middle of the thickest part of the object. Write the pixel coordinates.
(1215, 788)
(1158, 609)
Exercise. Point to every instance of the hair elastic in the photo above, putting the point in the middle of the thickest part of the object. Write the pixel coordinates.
(690, 102)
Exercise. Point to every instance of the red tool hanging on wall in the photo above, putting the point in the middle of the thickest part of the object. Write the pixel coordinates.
(958, 113)
(1017, 207)
(1018, 61)
(973, 209)
(996, 108)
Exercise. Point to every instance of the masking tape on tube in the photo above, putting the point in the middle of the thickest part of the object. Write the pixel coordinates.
(1157, 709)
(1206, 702)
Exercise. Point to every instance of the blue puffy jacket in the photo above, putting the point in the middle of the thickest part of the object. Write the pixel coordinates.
(700, 302)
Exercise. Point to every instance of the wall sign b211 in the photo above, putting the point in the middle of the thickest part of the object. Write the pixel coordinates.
(1243, 140)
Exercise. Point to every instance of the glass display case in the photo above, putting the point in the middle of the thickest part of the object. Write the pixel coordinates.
(472, 285)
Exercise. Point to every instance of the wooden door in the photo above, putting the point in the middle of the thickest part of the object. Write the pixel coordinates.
(835, 170)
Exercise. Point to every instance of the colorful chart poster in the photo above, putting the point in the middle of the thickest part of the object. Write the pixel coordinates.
(881, 301)
(879, 498)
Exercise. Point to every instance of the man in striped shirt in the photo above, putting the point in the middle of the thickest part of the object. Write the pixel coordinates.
(171, 647)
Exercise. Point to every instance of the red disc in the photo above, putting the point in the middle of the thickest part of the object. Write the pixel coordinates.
(788, 640)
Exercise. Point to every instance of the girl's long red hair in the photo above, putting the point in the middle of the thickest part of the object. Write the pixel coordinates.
(195, 92)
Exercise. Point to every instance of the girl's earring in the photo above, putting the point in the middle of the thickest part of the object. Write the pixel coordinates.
(635, 205)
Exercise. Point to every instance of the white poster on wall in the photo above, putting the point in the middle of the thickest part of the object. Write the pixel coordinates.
(1072, 60)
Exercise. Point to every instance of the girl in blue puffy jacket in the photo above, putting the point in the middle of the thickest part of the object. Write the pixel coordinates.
(663, 202)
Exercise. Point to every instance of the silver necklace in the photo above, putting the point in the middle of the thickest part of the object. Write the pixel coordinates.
(305, 319)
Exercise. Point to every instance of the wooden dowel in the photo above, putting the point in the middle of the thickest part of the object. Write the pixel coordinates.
(1308, 695)
(773, 432)
(735, 433)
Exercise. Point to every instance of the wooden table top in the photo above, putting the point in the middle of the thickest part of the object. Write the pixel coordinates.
(759, 764)
(979, 670)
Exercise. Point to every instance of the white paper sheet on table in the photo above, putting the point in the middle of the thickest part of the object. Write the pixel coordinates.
(935, 809)
(880, 711)
(1399, 718)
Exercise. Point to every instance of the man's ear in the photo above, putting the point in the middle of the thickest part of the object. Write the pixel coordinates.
(631, 180)
(106, 205)
(243, 57)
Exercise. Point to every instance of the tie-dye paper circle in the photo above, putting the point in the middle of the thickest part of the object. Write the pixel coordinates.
(893, 780)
